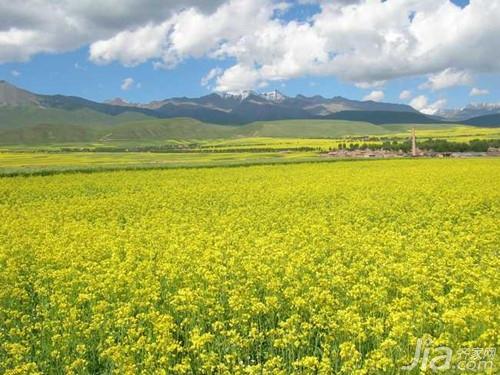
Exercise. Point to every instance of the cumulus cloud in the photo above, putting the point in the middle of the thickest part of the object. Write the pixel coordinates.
(421, 103)
(187, 34)
(239, 78)
(365, 42)
(376, 96)
(131, 47)
(127, 84)
(447, 78)
(478, 92)
(15, 73)
(405, 95)
(29, 27)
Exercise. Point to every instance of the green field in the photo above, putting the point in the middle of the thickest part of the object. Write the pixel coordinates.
(44, 148)
(125, 130)
(451, 132)
(332, 268)
(310, 129)
(29, 116)
(23, 163)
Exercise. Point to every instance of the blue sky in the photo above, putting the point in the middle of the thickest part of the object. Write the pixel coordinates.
(74, 73)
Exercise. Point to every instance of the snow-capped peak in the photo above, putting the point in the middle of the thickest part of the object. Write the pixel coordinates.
(273, 96)
(240, 95)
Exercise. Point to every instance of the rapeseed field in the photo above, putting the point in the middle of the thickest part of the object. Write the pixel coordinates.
(307, 268)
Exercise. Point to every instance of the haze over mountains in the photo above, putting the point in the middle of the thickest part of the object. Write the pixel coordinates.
(19, 107)
(470, 111)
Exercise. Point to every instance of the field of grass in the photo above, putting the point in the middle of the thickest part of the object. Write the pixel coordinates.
(154, 131)
(122, 131)
(182, 128)
(13, 118)
(306, 268)
(198, 144)
(220, 144)
(252, 143)
(308, 133)
(450, 132)
(13, 163)
(310, 129)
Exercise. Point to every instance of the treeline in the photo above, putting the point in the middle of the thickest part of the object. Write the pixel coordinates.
(476, 145)
(437, 145)
(176, 149)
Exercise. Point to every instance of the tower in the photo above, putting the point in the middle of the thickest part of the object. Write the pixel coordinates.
(413, 143)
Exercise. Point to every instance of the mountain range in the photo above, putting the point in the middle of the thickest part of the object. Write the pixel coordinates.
(470, 111)
(248, 106)
(220, 108)
(20, 107)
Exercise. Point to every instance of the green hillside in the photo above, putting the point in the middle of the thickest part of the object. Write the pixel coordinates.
(177, 128)
(44, 134)
(451, 132)
(420, 127)
(95, 128)
(133, 132)
(490, 121)
(13, 117)
(310, 129)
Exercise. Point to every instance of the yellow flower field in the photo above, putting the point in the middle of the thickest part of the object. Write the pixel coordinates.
(307, 268)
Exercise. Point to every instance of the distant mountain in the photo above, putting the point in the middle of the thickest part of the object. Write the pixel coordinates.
(469, 111)
(274, 96)
(488, 121)
(28, 118)
(248, 106)
(216, 108)
(383, 117)
(12, 96)
(120, 102)
(158, 130)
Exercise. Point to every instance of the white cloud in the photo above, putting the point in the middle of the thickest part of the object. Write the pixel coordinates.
(405, 95)
(127, 84)
(15, 73)
(239, 78)
(447, 78)
(189, 33)
(370, 42)
(370, 85)
(131, 47)
(421, 103)
(435, 107)
(365, 42)
(213, 73)
(376, 96)
(478, 92)
(29, 27)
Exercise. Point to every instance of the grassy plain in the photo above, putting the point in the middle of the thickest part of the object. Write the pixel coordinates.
(125, 131)
(306, 268)
(450, 132)
(14, 163)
